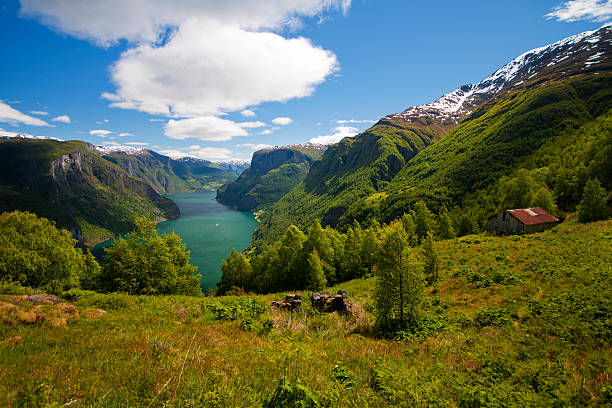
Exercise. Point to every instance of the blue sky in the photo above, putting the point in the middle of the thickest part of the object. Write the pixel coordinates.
(218, 80)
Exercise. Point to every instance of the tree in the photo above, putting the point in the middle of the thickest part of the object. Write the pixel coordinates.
(370, 246)
(290, 272)
(466, 224)
(545, 199)
(399, 287)
(423, 220)
(445, 225)
(34, 252)
(148, 263)
(315, 276)
(432, 262)
(592, 207)
(235, 273)
(410, 228)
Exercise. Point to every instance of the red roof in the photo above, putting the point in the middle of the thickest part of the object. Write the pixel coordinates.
(531, 216)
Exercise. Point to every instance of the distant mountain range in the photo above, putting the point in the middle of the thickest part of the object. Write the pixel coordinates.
(446, 151)
(97, 192)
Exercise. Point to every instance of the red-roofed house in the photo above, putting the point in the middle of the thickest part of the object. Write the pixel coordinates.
(522, 221)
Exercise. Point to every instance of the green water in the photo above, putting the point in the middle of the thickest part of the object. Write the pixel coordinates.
(209, 230)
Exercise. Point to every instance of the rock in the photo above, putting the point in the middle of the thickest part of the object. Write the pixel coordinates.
(44, 299)
(11, 341)
(326, 302)
(290, 302)
(95, 313)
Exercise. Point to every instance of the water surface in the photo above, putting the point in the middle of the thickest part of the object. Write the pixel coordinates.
(209, 230)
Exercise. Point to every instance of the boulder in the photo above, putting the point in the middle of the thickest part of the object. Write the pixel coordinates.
(326, 302)
(290, 302)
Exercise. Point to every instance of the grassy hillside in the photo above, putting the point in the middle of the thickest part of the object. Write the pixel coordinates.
(514, 321)
(501, 137)
(68, 183)
(350, 170)
(170, 176)
(273, 173)
(382, 172)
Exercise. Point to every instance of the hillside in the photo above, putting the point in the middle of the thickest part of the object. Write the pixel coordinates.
(514, 321)
(465, 141)
(169, 176)
(69, 183)
(273, 173)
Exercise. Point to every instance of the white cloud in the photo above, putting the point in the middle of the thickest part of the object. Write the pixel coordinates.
(344, 121)
(575, 10)
(137, 144)
(208, 68)
(206, 153)
(125, 134)
(253, 146)
(109, 21)
(282, 121)
(209, 128)
(266, 132)
(100, 132)
(35, 112)
(195, 60)
(62, 118)
(340, 133)
(13, 117)
(103, 122)
(250, 125)
(157, 120)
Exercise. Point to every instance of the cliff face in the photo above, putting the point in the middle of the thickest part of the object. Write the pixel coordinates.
(70, 184)
(272, 174)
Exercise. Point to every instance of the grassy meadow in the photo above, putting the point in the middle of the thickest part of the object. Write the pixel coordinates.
(519, 321)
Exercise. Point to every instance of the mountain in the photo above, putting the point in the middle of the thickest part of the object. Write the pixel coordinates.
(471, 136)
(273, 172)
(71, 184)
(235, 166)
(166, 175)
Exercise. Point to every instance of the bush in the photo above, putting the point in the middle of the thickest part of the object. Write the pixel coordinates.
(344, 376)
(592, 207)
(492, 316)
(35, 253)
(291, 396)
(236, 308)
(149, 263)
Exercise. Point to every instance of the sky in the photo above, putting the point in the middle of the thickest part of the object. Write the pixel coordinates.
(218, 80)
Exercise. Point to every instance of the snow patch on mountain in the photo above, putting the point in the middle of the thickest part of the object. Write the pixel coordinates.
(453, 106)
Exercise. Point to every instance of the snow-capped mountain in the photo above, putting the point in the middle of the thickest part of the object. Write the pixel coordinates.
(588, 52)
(108, 149)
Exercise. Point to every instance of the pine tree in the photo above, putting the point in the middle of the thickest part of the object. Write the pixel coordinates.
(592, 207)
(432, 262)
(399, 287)
(445, 226)
(315, 276)
(424, 220)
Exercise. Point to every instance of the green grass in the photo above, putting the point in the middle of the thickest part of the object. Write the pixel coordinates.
(514, 321)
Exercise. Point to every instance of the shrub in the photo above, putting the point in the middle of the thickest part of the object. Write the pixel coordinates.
(291, 396)
(344, 376)
(492, 316)
(35, 253)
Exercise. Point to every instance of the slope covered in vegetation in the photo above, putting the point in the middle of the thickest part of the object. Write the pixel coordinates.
(558, 126)
(171, 176)
(273, 173)
(513, 321)
(69, 183)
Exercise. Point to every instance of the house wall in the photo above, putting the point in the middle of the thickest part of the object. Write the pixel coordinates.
(505, 223)
(539, 227)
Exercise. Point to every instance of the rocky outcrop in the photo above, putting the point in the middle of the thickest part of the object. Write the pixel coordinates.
(291, 302)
